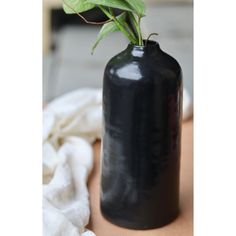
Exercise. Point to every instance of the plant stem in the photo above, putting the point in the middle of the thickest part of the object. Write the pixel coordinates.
(133, 23)
(119, 25)
(140, 33)
(83, 18)
(137, 28)
(131, 32)
(125, 24)
(127, 28)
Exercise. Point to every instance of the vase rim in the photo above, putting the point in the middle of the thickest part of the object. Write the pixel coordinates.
(150, 47)
(147, 44)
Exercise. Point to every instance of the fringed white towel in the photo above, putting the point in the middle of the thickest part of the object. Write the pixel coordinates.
(70, 124)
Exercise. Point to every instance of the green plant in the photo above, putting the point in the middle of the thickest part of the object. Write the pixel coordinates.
(132, 10)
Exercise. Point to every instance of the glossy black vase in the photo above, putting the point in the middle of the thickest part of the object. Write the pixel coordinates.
(142, 111)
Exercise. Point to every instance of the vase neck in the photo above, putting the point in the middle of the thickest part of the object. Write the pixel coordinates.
(150, 48)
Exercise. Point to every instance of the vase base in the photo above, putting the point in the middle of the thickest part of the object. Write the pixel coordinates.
(137, 225)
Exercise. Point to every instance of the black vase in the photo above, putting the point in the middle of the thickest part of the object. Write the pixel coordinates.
(142, 112)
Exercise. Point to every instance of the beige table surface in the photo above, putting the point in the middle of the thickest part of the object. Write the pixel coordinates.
(182, 226)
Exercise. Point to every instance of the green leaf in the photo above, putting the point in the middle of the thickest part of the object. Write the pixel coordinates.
(119, 4)
(108, 28)
(76, 6)
(138, 6)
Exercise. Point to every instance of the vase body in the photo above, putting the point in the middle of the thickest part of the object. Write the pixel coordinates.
(142, 111)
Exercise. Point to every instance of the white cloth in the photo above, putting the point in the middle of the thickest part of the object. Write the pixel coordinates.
(70, 124)
(187, 105)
